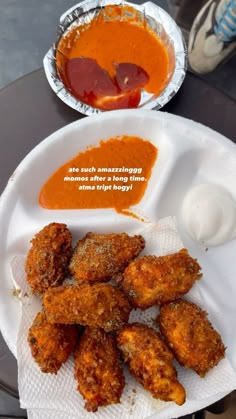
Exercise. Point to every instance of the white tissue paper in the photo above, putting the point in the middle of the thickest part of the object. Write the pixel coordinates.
(49, 396)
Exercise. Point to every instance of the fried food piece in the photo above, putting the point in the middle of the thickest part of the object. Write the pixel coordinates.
(150, 361)
(98, 258)
(190, 335)
(98, 305)
(156, 280)
(98, 369)
(51, 344)
(48, 258)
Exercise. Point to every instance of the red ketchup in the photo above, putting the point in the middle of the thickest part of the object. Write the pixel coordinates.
(91, 84)
(130, 76)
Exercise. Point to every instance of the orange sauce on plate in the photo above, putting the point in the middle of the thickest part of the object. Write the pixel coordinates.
(89, 180)
(111, 39)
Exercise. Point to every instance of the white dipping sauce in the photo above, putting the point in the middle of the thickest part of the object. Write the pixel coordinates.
(209, 214)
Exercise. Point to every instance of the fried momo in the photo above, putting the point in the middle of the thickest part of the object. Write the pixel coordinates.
(48, 258)
(152, 280)
(51, 344)
(97, 305)
(190, 335)
(98, 369)
(98, 258)
(150, 361)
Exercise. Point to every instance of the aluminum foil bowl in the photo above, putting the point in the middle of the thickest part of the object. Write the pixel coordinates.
(159, 21)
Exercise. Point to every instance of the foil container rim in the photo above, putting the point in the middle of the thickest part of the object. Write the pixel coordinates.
(150, 9)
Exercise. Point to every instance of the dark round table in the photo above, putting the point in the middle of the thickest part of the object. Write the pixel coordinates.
(30, 111)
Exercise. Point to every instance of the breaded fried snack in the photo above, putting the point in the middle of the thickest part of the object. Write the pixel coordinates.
(98, 369)
(98, 305)
(51, 344)
(48, 258)
(190, 335)
(98, 258)
(150, 361)
(152, 280)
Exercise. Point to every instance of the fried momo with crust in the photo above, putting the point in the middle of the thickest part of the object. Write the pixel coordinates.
(150, 361)
(48, 258)
(97, 305)
(190, 335)
(98, 369)
(152, 280)
(98, 258)
(51, 344)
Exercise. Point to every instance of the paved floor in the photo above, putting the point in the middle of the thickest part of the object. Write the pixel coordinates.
(27, 30)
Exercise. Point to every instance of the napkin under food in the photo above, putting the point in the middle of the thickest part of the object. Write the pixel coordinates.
(48, 396)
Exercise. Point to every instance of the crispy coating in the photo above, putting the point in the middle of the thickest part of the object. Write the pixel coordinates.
(190, 335)
(48, 258)
(51, 344)
(98, 258)
(97, 305)
(153, 280)
(150, 361)
(98, 369)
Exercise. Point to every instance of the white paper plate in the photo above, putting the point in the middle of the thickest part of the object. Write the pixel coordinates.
(189, 153)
